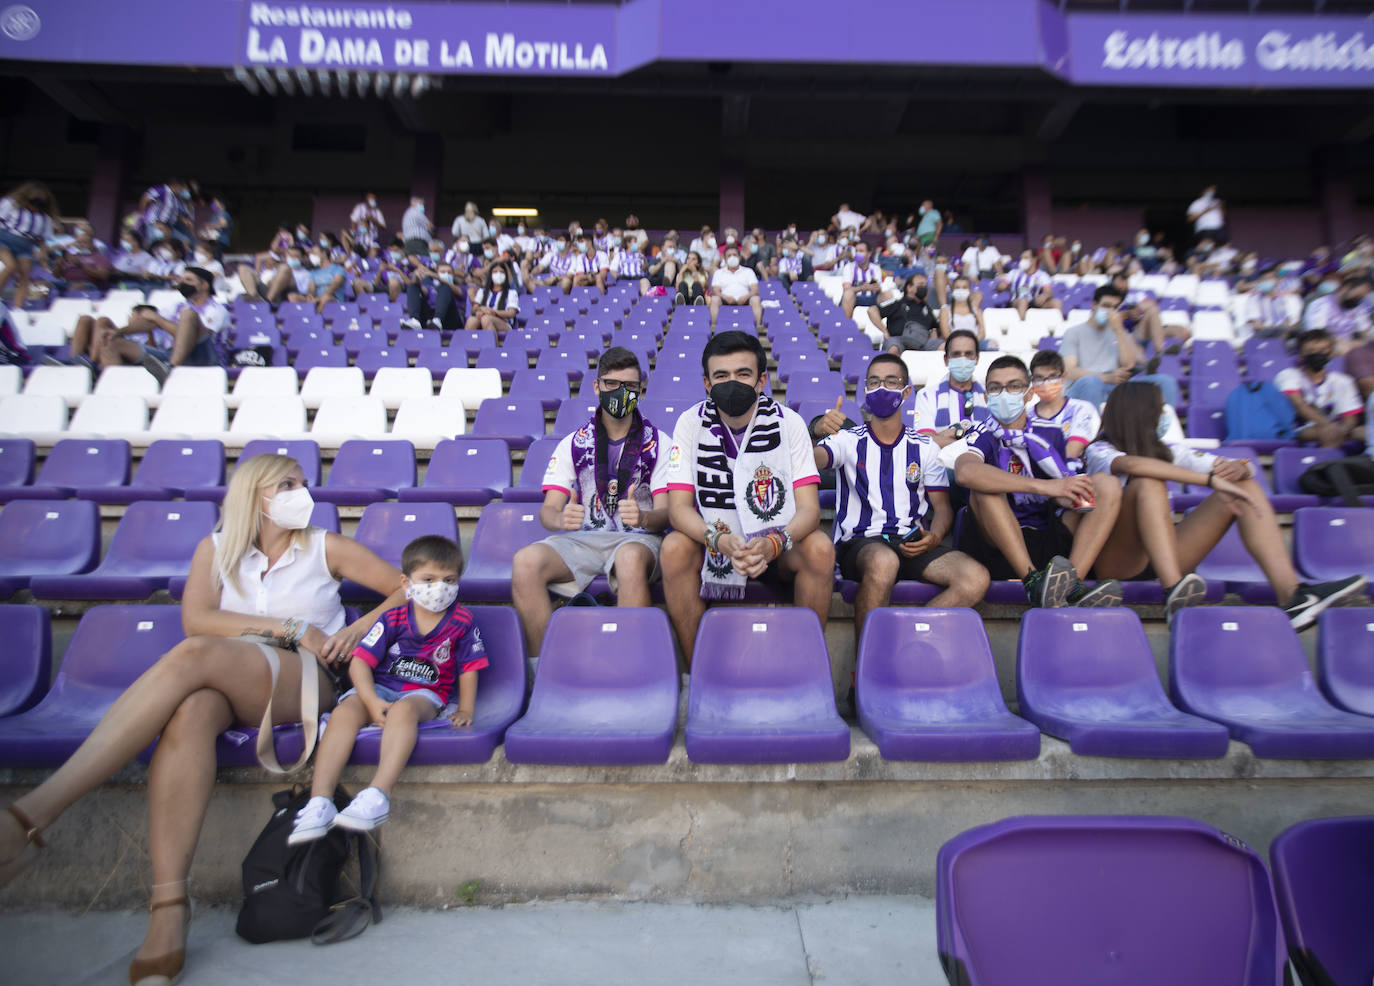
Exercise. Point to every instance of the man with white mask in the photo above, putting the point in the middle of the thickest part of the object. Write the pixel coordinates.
(735, 284)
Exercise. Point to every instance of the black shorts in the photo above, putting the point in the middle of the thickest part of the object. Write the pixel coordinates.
(908, 569)
(1041, 545)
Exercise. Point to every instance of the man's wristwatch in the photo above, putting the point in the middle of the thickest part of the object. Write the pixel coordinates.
(959, 430)
(786, 540)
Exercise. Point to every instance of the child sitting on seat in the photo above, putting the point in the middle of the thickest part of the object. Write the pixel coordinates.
(403, 673)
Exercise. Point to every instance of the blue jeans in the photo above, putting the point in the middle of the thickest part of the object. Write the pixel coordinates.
(1095, 390)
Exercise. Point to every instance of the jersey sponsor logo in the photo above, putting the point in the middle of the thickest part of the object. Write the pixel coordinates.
(415, 669)
(373, 635)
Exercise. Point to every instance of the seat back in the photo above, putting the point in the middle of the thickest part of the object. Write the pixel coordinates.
(471, 386)
(181, 465)
(196, 381)
(760, 664)
(28, 654)
(158, 538)
(1345, 658)
(502, 530)
(126, 381)
(279, 415)
(470, 463)
(536, 462)
(1227, 661)
(510, 417)
(394, 384)
(99, 415)
(87, 463)
(615, 659)
(323, 382)
(266, 381)
(350, 416)
(1334, 542)
(372, 465)
(1291, 463)
(386, 528)
(572, 415)
(429, 419)
(17, 457)
(113, 645)
(71, 383)
(190, 415)
(303, 450)
(912, 659)
(49, 537)
(1077, 659)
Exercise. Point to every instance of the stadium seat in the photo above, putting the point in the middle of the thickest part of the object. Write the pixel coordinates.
(111, 647)
(1345, 658)
(606, 691)
(367, 471)
(502, 530)
(373, 359)
(1323, 869)
(1212, 325)
(549, 387)
(46, 537)
(464, 472)
(33, 414)
(663, 414)
(393, 385)
(168, 469)
(386, 528)
(426, 421)
(1131, 900)
(761, 690)
(811, 386)
(304, 451)
(500, 696)
(71, 383)
(1334, 542)
(801, 361)
(529, 489)
(1244, 667)
(1207, 422)
(854, 365)
(196, 381)
(127, 381)
(153, 542)
(471, 386)
(669, 383)
(927, 689)
(503, 361)
(108, 417)
(518, 422)
(12, 380)
(1088, 677)
(190, 416)
(267, 417)
(1289, 465)
(324, 382)
(319, 357)
(28, 656)
(17, 456)
(572, 363)
(75, 464)
(572, 415)
(924, 367)
(264, 381)
(342, 418)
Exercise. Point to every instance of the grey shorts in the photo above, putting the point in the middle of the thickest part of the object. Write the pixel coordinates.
(591, 553)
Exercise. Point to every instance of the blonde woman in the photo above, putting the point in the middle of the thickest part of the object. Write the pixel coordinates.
(265, 573)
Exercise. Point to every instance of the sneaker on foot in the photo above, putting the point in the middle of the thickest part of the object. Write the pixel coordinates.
(583, 599)
(1050, 586)
(434, 323)
(312, 821)
(1309, 600)
(160, 370)
(410, 323)
(365, 812)
(1190, 590)
(1107, 592)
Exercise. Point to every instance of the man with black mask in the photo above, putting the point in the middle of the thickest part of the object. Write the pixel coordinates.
(1326, 402)
(911, 321)
(606, 494)
(743, 494)
(186, 338)
(1347, 314)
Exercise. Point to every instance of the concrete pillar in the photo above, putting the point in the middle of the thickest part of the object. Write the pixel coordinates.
(107, 178)
(734, 129)
(426, 178)
(1037, 212)
(1336, 193)
(731, 193)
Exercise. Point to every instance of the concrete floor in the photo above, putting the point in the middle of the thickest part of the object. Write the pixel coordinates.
(854, 940)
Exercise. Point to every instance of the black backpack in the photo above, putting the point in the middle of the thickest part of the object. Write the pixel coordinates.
(1349, 478)
(293, 891)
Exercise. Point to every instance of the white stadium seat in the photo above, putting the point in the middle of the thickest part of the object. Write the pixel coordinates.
(265, 381)
(426, 421)
(924, 367)
(1045, 321)
(1182, 286)
(1212, 294)
(196, 381)
(264, 416)
(127, 381)
(323, 382)
(1213, 325)
(32, 414)
(342, 418)
(394, 384)
(11, 380)
(472, 387)
(71, 383)
(110, 417)
(190, 416)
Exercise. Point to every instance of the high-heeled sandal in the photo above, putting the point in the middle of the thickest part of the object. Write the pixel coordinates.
(164, 969)
(33, 843)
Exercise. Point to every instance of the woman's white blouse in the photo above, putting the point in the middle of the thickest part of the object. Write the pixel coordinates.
(298, 585)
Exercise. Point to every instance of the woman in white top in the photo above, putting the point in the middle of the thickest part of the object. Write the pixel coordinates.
(495, 304)
(1147, 544)
(961, 313)
(266, 573)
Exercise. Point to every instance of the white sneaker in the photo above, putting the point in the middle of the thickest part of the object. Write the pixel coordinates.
(312, 821)
(411, 323)
(365, 812)
(434, 323)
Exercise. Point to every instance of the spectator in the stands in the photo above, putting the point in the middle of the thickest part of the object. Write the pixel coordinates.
(847, 218)
(496, 303)
(589, 265)
(663, 269)
(274, 282)
(693, 282)
(183, 336)
(83, 262)
(416, 228)
(793, 263)
(1099, 354)
(1076, 420)
(326, 279)
(1029, 286)
(204, 257)
(470, 224)
(218, 230)
(1208, 216)
(168, 262)
(635, 231)
(1141, 316)
(630, 264)
(947, 408)
(982, 259)
(365, 224)
(1266, 309)
(735, 284)
(862, 279)
(527, 239)
(767, 252)
(27, 217)
(907, 318)
(1346, 314)
(962, 313)
(706, 249)
(930, 226)
(824, 252)
(505, 243)
(1326, 402)
(167, 205)
(129, 260)
(555, 267)
(394, 271)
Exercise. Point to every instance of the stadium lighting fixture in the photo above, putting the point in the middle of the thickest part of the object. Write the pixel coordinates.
(242, 76)
(364, 80)
(323, 79)
(306, 81)
(344, 82)
(383, 83)
(419, 86)
(400, 85)
(265, 80)
(288, 84)
(507, 210)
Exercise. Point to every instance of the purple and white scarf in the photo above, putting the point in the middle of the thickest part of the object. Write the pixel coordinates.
(599, 490)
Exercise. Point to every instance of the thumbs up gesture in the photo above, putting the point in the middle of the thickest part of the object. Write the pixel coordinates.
(630, 515)
(832, 421)
(573, 514)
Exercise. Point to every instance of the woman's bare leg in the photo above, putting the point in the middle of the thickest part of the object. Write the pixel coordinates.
(1144, 531)
(1199, 532)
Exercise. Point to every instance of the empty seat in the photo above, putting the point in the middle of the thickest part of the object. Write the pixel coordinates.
(386, 528)
(46, 537)
(153, 542)
(11, 380)
(190, 415)
(91, 466)
(316, 356)
(502, 530)
(104, 416)
(572, 415)
(32, 414)
(550, 387)
(17, 456)
(394, 385)
(341, 418)
(470, 386)
(426, 421)
(605, 693)
(761, 690)
(126, 381)
(1130, 900)
(267, 417)
(927, 689)
(196, 381)
(28, 655)
(364, 472)
(1323, 869)
(323, 382)
(518, 422)
(1289, 465)
(676, 383)
(500, 696)
(1088, 677)
(529, 489)
(463, 472)
(1334, 542)
(111, 647)
(1345, 658)
(264, 381)
(304, 451)
(71, 383)
(171, 469)
(1244, 667)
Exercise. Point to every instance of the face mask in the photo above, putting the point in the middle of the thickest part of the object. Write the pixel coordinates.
(615, 241)
(942, 266)
(314, 260)
(1023, 264)
(861, 259)
(1100, 316)
(1007, 407)
(290, 509)
(293, 263)
(395, 257)
(924, 210)
(127, 245)
(434, 258)
(1077, 247)
(1142, 239)
(618, 403)
(960, 294)
(732, 261)
(498, 278)
(730, 239)
(961, 368)
(420, 208)
(787, 251)
(520, 230)
(733, 398)
(1325, 287)
(436, 597)
(844, 241)
(1316, 362)
(371, 203)
(202, 259)
(562, 247)
(1049, 392)
(922, 290)
(489, 254)
(820, 240)
(464, 246)
(186, 290)
(185, 195)
(1265, 286)
(446, 277)
(753, 249)
(882, 403)
(156, 235)
(1162, 427)
(633, 246)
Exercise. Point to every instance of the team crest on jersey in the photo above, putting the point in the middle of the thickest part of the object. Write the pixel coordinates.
(913, 473)
(915, 416)
(717, 563)
(675, 456)
(1067, 428)
(442, 654)
(765, 494)
(1016, 467)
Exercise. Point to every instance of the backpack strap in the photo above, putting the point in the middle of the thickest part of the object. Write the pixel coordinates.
(310, 710)
(350, 918)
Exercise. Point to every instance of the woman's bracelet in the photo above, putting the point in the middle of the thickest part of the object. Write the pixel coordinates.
(292, 630)
(1210, 477)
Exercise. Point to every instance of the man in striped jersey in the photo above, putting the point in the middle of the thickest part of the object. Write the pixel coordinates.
(892, 506)
(168, 204)
(629, 264)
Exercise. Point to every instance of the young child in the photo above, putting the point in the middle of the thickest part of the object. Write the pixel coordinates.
(403, 673)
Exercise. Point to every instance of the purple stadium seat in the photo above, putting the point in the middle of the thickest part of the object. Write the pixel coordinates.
(825, 385)
(529, 489)
(1244, 667)
(463, 472)
(670, 383)
(341, 311)
(519, 422)
(386, 528)
(324, 515)
(794, 362)
(927, 689)
(312, 356)
(1088, 677)
(573, 413)
(111, 647)
(304, 451)
(500, 695)
(1334, 542)
(571, 361)
(1230, 563)
(1323, 869)
(1291, 463)
(28, 657)
(46, 537)
(169, 468)
(372, 359)
(761, 690)
(505, 360)
(295, 309)
(362, 340)
(17, 456)
(1207, 422)
(1345, 658)
(502, 530)
(153, 542)
(365, 472)
(605, 692)
(854, 365)
(90, 465)
(1130, 900)
(663, 413)
(549, 387)
(813, 409)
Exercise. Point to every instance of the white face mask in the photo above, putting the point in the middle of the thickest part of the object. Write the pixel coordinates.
(1023, 264)
(732, 261)
(436, 597)
(498, 278)
(291, 509)
(463, 246)
(960, 294)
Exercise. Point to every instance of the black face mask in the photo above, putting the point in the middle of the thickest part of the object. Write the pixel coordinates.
(1316, 362)
(733, 398)
(1349, 303)
(620, 402)
(921, 291)
(187, 290)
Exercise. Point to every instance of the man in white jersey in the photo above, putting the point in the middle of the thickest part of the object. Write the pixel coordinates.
(735, 284)
(1208, 216)
(1327, 403)
(862, 278)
